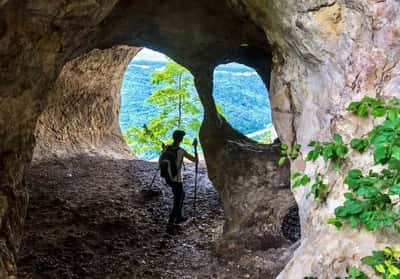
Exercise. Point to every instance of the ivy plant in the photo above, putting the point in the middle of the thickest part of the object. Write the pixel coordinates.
(289, 153)
(386, 262)
(369, 203)
(335, 151)
(319, 189)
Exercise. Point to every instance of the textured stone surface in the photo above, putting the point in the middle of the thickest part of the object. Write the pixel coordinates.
(326, 53)
(38, 37)
(82, 111)
(255, 193)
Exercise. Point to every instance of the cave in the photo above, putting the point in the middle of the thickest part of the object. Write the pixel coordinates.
(315, 57)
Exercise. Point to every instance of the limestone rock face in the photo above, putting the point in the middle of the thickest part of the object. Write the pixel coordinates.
(328, 53)
(37, 38)
(255, 193)
(325, 54)
(82, 111)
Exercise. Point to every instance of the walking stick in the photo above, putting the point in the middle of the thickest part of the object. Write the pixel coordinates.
(154, 178)
(158, 168)
(195, 178)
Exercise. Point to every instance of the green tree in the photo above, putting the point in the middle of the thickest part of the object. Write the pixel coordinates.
(178, 109)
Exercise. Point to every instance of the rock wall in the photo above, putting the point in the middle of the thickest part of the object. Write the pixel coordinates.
(327, 54)
(37, 39)
(82, 115)
(254, 190)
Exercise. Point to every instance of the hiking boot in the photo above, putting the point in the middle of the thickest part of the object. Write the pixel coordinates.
(171, 221)
(181, 220)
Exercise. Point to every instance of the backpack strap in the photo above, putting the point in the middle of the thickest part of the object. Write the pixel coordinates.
(181, 162)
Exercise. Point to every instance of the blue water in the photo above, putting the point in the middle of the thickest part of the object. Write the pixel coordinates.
(239, 89)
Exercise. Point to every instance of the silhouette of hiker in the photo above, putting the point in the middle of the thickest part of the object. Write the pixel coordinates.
(172, 168)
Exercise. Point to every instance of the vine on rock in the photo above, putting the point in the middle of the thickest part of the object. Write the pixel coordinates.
(372, 198)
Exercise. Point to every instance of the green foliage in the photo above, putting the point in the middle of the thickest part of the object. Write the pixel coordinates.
(178, 109)
(386, 263)
(318, 189)
(300, 180)
(359, 144)
(289, 153)
(335, 151)
(352, 273)
(355, 273)
(375, 107)
(369, 203)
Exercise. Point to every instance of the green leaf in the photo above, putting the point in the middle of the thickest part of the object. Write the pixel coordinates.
(381, 154)
(349, 196)
(327, 153)
(396, 152)
(362, 110)
(393, 270)
(305, 180)
(354, 221)
(282, 161)
(354, 106)
(369, 260)
(359, 144)
(301, 181)
(336, 222)
(367, 192)
(296, 175)
(337, 138)
(378, 111)
(395, 189)
(392, 114)
(353, 206)
(388, 251)
(341, 151)
(355, 173)
(380, 268)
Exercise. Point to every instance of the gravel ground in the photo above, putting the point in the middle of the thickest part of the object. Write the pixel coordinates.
(93, 217)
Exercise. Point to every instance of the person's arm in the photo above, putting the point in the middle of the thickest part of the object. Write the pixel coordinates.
(194, 159)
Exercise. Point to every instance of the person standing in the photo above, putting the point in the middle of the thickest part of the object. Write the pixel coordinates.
(170, 163)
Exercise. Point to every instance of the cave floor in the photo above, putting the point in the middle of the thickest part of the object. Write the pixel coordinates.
(96, 217)
(93, 217)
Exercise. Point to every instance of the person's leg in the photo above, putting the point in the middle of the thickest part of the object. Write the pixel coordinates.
(175, 208)
(181, 194)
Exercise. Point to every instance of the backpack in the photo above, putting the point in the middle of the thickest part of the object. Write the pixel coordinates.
(167, 162)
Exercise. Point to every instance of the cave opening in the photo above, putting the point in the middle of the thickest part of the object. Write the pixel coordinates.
(158, 96)
(92, 211)
(244, 101)
(99, 193)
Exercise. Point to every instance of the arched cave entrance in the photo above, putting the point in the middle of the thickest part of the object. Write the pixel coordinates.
(81, 148)
(244, 99)
(158, 96)
(81, 117)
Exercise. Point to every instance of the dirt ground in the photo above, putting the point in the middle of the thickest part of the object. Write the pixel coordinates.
(93, 217)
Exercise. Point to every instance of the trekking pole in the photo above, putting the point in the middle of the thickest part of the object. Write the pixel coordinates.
(158, 168)
(195, 178)
(154, 177)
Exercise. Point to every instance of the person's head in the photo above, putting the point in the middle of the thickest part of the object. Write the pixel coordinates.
(178, 136)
